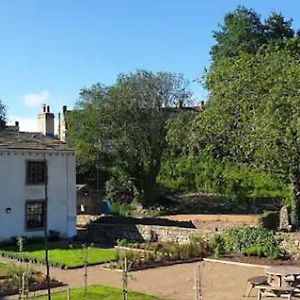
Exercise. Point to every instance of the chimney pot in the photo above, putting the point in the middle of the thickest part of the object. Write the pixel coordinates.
(17, 123)
(48, 109)
(44, 108)
(64, 108)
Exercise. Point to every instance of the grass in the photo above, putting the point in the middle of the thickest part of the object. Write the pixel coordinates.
(63, 253)
(9, 270)
(98, 292)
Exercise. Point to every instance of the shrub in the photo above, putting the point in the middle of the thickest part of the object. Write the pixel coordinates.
(204, 173)
(123, 210)
(248, 240)
(217, 245)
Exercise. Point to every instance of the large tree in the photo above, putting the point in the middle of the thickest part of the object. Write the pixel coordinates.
(127, 122)
(243, 31)
(253, 115)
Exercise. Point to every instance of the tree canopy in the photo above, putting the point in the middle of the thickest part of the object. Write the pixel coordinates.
(252, 116)
(126, 123)
(243, 31)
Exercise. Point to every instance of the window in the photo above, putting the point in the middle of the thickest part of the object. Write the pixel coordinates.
(36, 172)
(35, 215)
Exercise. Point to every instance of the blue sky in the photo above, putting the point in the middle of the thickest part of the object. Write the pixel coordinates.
(51, 49)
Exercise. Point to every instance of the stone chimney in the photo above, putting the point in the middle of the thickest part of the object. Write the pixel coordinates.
(46, 121)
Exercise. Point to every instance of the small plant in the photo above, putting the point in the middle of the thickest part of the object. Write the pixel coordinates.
(218, 245)
(122, 243)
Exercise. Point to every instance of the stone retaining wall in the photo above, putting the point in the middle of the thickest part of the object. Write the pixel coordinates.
(106, 233)
(290, 241)
(83, 220)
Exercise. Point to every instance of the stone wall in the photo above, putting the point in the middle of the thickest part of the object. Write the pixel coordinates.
(83, 220)
(106, 230)
(107, 233)
(290, 241)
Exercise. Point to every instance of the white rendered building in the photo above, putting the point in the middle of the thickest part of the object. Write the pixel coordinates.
(35, 167)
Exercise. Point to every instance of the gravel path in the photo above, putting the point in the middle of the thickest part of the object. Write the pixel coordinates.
(219, 281)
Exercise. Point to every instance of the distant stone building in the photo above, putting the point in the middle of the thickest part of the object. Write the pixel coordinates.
(35, 167)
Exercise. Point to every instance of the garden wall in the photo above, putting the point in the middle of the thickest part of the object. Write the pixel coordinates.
(290, 241)
(107, 233)
(171, 228)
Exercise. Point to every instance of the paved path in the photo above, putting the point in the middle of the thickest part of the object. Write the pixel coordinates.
(219, 281)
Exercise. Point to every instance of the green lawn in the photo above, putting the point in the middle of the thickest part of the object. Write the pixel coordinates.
(9, 270)
(98, 292)
(65, 254)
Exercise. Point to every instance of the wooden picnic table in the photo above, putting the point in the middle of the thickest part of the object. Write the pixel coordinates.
(281, 273)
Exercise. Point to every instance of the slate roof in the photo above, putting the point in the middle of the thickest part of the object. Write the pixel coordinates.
(30, 141)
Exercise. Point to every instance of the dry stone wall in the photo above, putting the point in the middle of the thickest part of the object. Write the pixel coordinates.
(105, 233)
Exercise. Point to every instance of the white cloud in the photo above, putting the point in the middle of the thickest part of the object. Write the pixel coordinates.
(36, 99)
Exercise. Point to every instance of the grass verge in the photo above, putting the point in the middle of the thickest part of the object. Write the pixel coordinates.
(62, 254)
(98, 292)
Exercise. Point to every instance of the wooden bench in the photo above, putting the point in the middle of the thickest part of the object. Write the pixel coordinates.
(255, 281)
(269, 290)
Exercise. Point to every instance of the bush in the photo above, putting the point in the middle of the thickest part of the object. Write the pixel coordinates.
(122, 210)
(207, 174)
(270, 219)
(217, 245)
(179, 174)
(248, 240)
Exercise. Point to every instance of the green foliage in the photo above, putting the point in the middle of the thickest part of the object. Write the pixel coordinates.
(220, 176)
(249, 241)
(270, 219)
(122, 209)
(179, 174)
(217, 244)
(243, 31)
(125, 125)
(2, 111)
(252, 116)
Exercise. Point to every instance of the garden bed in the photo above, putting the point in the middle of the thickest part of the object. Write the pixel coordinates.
(10, 280)
(151, 265)
(61, 254)
(150, 255)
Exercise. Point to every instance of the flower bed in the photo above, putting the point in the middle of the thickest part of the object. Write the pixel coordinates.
(10, 280)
